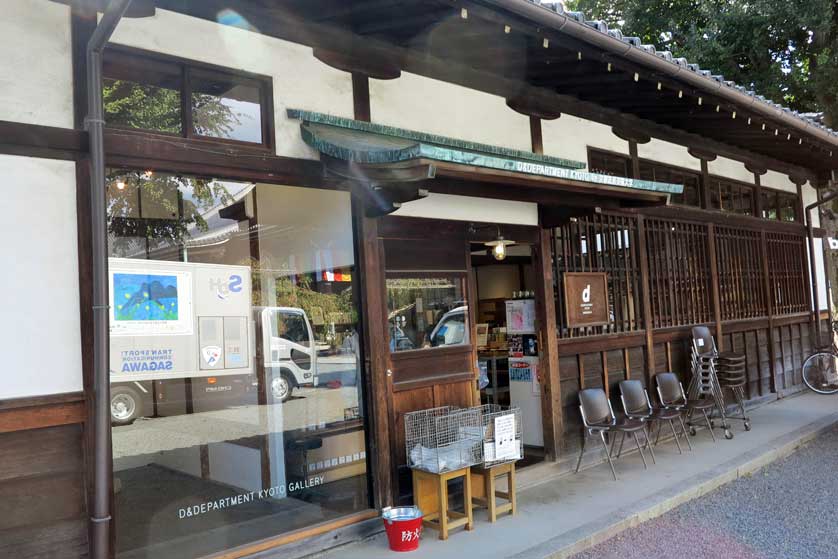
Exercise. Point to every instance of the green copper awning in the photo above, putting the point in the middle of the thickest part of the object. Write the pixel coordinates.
(375, 144)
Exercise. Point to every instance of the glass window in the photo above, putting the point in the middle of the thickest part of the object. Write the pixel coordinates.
(689, 197)
(426, 312)
(143, 96)
(237, 404)
(605, 163)
(732, 197)
(148, 92)
(226, 107)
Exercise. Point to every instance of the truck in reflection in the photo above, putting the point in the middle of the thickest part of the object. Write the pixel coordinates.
(186, 334)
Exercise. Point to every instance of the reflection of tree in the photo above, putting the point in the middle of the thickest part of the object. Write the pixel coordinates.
(211, 117)
(153, 207)
(298, 291)
(142, 106)
(149, 107)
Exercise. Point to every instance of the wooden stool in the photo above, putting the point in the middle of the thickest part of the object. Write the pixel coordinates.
(485, 494)
(430, 494)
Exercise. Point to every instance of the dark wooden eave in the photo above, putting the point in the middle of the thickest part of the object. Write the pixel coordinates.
(496, 50)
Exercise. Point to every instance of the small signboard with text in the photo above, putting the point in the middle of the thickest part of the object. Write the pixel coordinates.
(586, 299)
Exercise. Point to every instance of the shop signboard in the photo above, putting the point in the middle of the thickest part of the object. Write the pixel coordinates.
(586, 299)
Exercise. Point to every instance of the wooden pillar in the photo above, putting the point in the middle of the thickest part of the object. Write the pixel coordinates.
(551, 395)
(635, 159)
(361, 96)
(758, 171)
(647, 299)
(714, 283)
(705, 195)
(536, 137)
(704, 186)
(376, 353)
(373, 309)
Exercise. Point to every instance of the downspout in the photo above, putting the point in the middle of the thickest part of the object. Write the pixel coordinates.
(816, 319)
(100, 517)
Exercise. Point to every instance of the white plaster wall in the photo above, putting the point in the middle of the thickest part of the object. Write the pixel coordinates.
(569, 137)
(40, 285)
(778, 181)
(418, 103)
(666, 152)
(300, 80)
(466, 208)
(723, 167)
(36, 82)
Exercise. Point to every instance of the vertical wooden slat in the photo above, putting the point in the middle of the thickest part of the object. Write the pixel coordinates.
(647, 299)
(769, 301)
(714, 283)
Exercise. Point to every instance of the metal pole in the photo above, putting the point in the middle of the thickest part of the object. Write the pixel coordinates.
(100, 517)
(810, 228)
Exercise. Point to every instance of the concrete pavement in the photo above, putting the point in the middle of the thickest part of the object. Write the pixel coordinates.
(569, 513)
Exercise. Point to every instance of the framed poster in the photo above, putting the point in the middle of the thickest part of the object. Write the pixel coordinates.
(586, 299)
(520, 316)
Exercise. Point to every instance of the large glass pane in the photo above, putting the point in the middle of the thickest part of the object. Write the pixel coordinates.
(142, 94)
(426, 312)
(235, 370)
(226, 106)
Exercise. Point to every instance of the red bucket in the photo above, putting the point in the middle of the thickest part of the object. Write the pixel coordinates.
(403, 526)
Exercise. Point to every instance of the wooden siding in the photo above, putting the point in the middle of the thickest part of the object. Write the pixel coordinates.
(42, 477)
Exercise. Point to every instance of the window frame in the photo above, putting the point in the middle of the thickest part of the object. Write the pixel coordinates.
(741, 184)
(140, 57)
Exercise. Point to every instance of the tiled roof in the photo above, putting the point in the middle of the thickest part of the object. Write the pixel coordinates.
(635, 42)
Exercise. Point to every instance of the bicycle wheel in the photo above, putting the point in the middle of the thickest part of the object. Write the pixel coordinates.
(820, 372)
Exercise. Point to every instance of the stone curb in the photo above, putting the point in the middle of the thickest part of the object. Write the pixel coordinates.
(608, 526)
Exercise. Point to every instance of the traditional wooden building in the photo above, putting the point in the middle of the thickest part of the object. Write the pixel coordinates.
(305, 218)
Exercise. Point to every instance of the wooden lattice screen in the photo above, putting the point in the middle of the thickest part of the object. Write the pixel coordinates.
(787, 269)
(679, 273)
(678, 256)
(741, 280)
(602, 243)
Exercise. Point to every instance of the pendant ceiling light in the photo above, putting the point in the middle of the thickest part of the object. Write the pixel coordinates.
(498, 246)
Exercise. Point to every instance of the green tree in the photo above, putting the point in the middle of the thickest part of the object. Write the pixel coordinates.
(786, 50)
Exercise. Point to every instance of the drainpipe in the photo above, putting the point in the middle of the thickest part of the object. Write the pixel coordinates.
(816, 318)
(100, 517)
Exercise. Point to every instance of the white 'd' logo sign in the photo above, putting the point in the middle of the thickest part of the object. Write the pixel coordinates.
(586, 294)
(212, 353)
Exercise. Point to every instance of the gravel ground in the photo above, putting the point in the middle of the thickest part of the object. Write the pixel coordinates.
(788, 510)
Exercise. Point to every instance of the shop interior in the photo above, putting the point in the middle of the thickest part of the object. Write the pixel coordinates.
(507, 341)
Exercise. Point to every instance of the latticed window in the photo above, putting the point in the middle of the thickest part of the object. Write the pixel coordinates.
(741, 282)
(787, 270)
(602, 243)
(679, 278)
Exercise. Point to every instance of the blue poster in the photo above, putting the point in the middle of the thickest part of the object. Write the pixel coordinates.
(145, 297)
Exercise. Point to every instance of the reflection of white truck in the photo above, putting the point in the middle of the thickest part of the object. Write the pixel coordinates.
(173, 321)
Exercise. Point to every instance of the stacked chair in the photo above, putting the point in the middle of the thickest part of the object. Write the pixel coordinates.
(733, 376)
(704, 384)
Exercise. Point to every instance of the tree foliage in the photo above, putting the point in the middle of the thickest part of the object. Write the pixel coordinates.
(786, 50)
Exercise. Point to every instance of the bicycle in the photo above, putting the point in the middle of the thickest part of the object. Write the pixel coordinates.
(820, 370)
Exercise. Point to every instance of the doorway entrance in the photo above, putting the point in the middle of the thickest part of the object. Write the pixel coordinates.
(507, 339)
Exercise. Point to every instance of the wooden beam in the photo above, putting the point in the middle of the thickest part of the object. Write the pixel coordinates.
(551, 396)
(35, 140)
(635, 159)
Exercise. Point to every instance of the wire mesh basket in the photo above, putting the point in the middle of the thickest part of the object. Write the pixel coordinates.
(443, 439)
(502, 438)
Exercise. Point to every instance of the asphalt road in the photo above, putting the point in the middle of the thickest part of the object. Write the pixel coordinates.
(788, 510)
